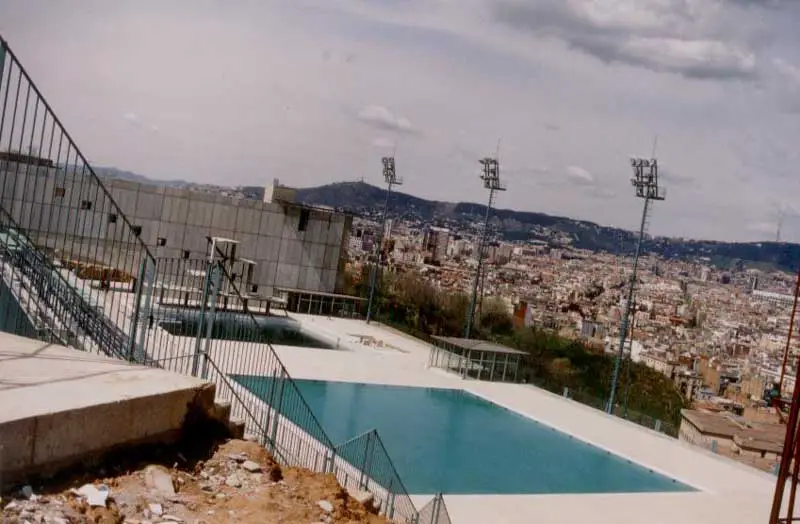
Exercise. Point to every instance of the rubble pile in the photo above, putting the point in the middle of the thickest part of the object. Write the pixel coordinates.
(240, 482)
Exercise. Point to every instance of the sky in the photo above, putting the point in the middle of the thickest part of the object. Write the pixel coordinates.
(315, 91)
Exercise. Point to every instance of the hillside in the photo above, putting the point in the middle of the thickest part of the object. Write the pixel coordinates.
(365, 199)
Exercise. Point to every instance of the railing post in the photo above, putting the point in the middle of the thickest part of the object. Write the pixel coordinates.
(368, 449)
(390, 500)
(658, 425)
(137, 303)
(437, 502)
(148, 282)
(215, 282)
(276, 412)
(2, 59)
(270, 409)
(330, 461)
(201, 323)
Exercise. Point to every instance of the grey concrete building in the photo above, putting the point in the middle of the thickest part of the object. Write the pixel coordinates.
(291, 245)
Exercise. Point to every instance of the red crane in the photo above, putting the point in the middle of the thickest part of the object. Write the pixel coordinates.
(789, 467)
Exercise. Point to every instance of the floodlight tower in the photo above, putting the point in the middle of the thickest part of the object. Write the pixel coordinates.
(645, 180)
(491, 181)
(391, 178)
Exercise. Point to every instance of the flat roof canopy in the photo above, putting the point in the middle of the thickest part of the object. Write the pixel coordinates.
(478, 345)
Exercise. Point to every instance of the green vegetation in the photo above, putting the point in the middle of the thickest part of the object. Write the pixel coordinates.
(407, 302)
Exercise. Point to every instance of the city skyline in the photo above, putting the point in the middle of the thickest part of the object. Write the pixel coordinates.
(314, 92)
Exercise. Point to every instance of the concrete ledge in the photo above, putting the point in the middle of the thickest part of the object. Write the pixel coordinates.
(60, 406)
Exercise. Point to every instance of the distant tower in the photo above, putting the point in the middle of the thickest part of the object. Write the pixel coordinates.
(392, 179)
(781, 215)
(645, 180)
(491, 181)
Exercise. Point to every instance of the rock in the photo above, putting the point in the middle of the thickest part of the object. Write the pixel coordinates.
(156, 509)
(27, 492)
(238, 457)
(158, 479)
(364, 498)
(233, 481)
(252, 467)
(256, 477)
(325, 506)
(95, 496)
(11, 506)
(172, 518)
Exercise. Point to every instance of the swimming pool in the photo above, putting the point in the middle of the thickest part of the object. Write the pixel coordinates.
(240, 328)
(454, 442)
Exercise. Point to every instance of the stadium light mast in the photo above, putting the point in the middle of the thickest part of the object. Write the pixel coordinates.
(491, 181)
(391, 178)
(645, 181)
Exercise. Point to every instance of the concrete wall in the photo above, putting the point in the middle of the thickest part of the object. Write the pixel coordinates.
(688, 432)
(293, 247)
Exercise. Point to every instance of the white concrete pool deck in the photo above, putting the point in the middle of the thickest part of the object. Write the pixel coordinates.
(729, 492)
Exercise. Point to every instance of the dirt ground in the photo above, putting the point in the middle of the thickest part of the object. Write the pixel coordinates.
(237, 481)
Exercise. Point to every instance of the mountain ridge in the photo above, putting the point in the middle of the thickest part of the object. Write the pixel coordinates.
(363, 198)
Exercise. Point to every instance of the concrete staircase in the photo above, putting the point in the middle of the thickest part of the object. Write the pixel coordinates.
(60, 407)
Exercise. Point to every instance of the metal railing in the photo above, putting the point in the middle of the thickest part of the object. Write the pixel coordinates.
(364, 465)
(53, 199)
(198, 322)
(78, 272)
(434, 512)
(54, 299)
(658, 425)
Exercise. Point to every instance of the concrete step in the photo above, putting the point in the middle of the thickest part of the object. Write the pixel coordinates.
(60, 407)
(236, 427)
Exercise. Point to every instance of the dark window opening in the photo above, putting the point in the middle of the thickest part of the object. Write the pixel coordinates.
(305, 214)
(59, 192)
(86, 205)
(112, 218)
(137, 230)
(254, 288)
(186, 255)
(161, 241)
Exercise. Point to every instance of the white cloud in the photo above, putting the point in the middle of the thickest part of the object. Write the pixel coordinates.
(580, 175)
(676, 36)
(382, 118)
(132, 118)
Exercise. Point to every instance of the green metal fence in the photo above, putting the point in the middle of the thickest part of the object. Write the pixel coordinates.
(434, 512)
(364, 465)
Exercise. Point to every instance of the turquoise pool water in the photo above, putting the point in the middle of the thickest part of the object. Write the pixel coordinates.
(454, 442)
